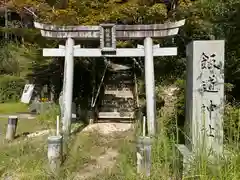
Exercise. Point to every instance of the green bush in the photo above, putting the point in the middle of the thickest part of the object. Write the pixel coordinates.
(11, 88)
(180, 103)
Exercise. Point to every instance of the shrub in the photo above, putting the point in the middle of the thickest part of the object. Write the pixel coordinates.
(11, 88)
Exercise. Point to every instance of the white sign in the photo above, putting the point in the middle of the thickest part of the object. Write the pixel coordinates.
(27, 93)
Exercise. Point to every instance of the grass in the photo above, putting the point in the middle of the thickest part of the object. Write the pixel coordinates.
(28, 160)
(24, 126)
(165, 157)
(8, 108)
(41, 122)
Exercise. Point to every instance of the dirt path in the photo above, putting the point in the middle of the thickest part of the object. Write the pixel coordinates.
(103, 162)
(20, 115)
(108, 139)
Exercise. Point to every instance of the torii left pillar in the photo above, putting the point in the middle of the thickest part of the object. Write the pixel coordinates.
(68, 85)
(150, 86)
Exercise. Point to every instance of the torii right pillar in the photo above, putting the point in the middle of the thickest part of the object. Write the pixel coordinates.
(150, 85)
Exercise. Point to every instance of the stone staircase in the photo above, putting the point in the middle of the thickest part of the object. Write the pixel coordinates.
(118, 101)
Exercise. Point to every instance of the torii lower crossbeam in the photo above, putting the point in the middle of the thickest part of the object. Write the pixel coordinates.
(120, 52)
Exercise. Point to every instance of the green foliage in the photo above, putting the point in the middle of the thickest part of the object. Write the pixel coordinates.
(11, 88)
(17, 59)
(9, 64)
(180, 94)
(232, 124)
(157, 13)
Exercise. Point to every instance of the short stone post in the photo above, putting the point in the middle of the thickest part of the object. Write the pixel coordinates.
(144, 125)
(12, 127)
(55, 150)
(144, 155)
(57, 127)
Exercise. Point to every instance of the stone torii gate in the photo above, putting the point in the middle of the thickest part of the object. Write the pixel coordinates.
(108, 34)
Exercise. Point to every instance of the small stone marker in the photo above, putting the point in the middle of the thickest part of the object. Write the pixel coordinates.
(12, 127)
(204, 99)
(55, 150)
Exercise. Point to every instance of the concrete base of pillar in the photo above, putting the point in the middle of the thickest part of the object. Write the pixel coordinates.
(55, 150)
(144, 156)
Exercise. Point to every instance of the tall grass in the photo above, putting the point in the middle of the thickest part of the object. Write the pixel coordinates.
(48, 118)
(29, 159)
(166, 160)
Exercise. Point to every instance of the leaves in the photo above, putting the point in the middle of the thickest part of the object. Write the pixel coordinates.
(205, 19)
(157, 13)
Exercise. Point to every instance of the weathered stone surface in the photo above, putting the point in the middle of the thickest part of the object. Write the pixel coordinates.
(122, 31)
(74, 108)
(205, 95)
(120, 52)
(169, 25)
(116, 115)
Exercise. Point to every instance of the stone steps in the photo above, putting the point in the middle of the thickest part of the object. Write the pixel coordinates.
(113, 97)
(116, 109)
(120, 81)
(118, 101)
(118, 87)
(120, 94)
(116, 115)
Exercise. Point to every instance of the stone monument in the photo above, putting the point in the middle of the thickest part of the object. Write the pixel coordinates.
(204, 99)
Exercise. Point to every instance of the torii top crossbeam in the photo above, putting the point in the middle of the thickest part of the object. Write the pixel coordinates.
(121, 32)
